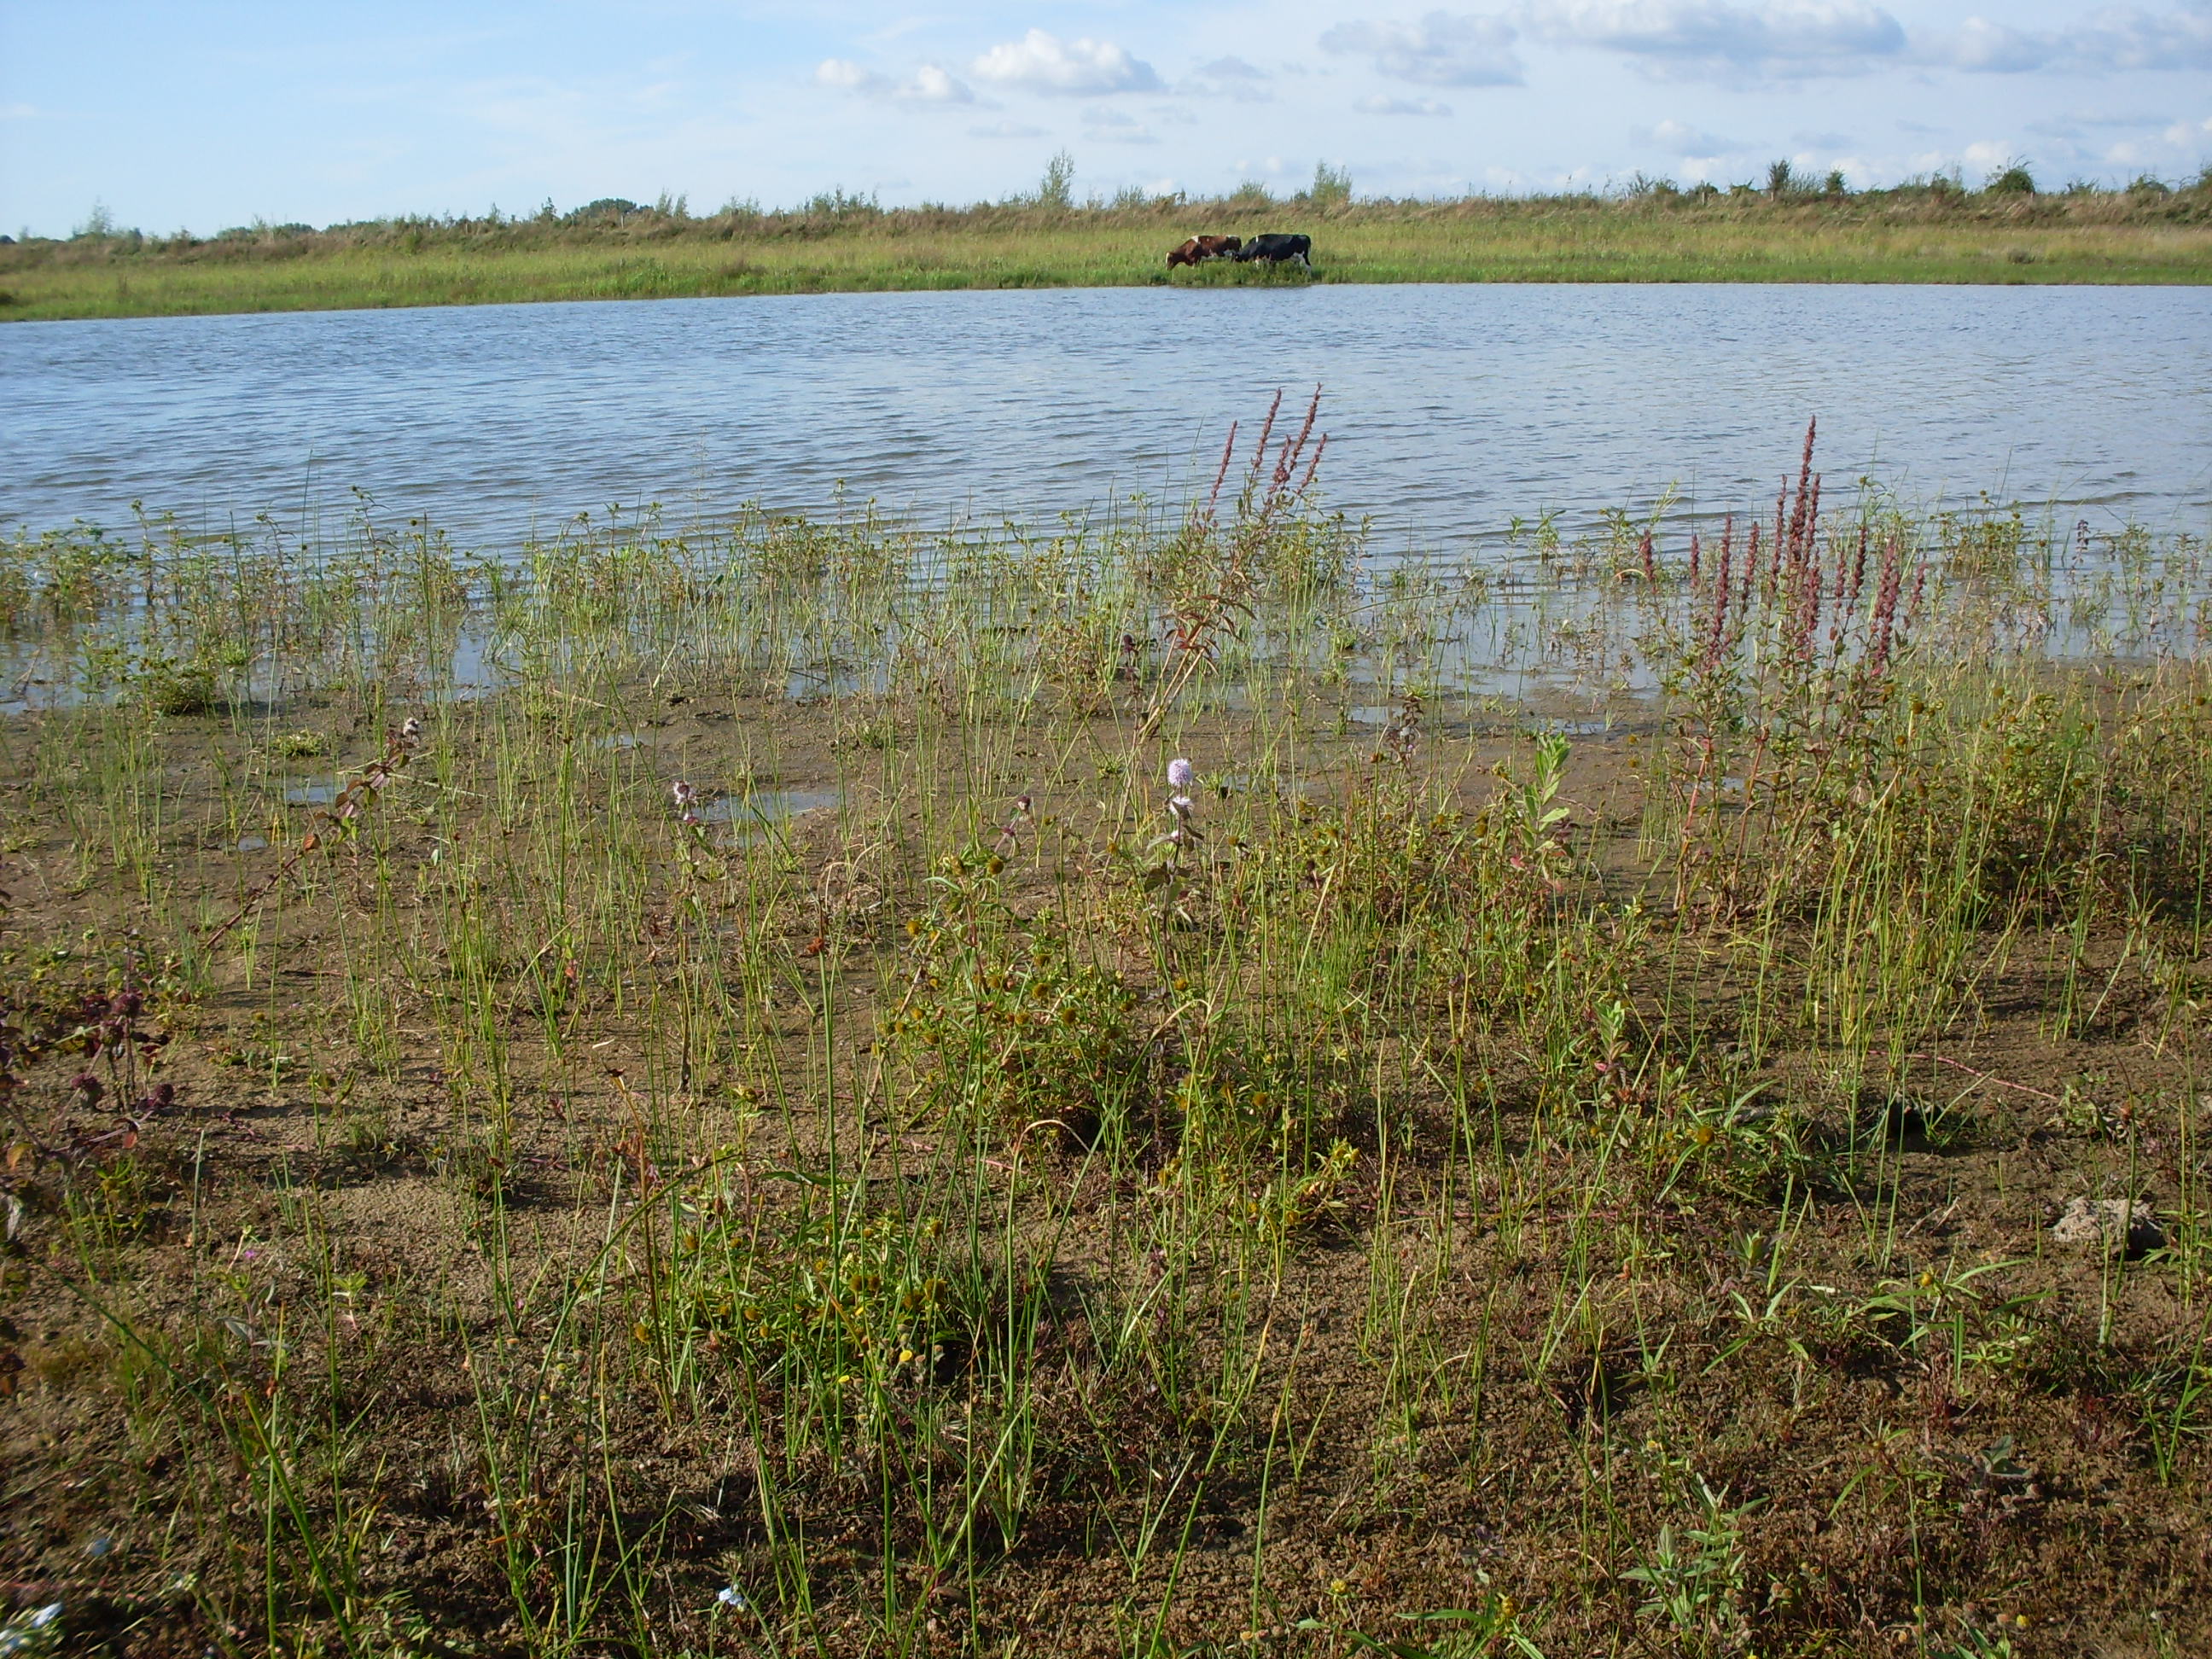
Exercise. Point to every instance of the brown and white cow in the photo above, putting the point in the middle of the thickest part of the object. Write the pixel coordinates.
(1204, 247)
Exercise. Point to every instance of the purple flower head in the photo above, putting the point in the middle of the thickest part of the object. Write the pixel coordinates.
(1180, 774)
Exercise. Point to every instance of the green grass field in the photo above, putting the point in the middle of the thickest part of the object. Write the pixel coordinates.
(1898, 237)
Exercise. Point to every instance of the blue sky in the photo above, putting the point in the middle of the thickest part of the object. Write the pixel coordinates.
(210, 114)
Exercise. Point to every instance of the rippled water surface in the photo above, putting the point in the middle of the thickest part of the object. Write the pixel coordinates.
(1451, 409)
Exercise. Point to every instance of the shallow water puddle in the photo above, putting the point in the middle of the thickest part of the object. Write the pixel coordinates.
(764, 810)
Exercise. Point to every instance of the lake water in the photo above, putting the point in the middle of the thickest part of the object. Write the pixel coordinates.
(1451, 409)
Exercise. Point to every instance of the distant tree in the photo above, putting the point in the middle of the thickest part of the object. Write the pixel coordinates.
(838, 203)
(2013, 179)
(1780, 180)
(1331, 186)
(1056, 190)
(1251, 194)
(614, 208)
(1834, 185)
(97, 223)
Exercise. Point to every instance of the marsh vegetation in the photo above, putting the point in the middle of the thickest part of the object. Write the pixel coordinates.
(1787, 229)
(1141, 1087)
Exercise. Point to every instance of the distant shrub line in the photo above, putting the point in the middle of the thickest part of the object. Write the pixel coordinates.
(2010, 197)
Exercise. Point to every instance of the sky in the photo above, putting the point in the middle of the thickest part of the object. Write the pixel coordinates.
(219, 113)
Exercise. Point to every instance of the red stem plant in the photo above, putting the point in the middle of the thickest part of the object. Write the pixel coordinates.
(1225, 562)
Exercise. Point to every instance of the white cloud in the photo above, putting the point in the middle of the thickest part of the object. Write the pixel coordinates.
(1680, 138)
(1230, 77)
(927, 85)
(1378, 105)
(1992, 48)
(1694, 38)
(935, 86)
(2069, 125)
(1006, 130)
(846, 76)
(1442, 49)
(1114, 126)
(2120, 38)
(2128, 37)
(1040, 62)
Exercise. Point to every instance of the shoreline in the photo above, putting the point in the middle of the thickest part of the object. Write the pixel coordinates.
(1603, 244)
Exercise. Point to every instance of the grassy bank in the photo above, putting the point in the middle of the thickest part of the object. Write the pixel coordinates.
(1921, 235)
(725, 1092)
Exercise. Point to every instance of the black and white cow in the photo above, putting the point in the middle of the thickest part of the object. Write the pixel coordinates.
(1275, 249)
